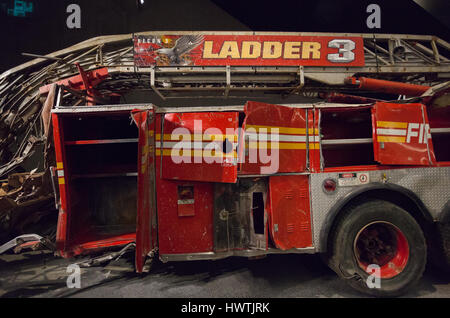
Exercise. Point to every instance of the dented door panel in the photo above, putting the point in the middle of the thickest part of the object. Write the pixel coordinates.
(275, 139)
(401, 134)
(199, 146)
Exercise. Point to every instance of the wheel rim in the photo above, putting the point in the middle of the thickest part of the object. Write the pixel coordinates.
(383, 244)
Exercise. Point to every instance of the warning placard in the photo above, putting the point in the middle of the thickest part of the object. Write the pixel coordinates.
(353, 179)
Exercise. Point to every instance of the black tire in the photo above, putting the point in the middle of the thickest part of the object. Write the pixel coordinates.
(440, 247)
(345, 248)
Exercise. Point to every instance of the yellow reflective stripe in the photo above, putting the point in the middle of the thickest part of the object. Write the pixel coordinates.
(283, 145)
(392, 124)
(391, 139)
(59, 165)
(196, 153)
(61, 180)
(195, 137)
(284, 130)
(280, 145)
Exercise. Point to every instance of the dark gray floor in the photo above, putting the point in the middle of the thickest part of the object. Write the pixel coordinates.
(38, 274)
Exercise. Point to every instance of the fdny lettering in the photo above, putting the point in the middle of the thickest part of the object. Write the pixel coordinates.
(265, 50)
(422, 131)
(401, 132)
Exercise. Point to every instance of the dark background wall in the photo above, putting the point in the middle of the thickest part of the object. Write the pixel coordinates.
(45, 30)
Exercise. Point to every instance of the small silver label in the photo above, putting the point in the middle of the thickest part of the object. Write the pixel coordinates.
(187, 201)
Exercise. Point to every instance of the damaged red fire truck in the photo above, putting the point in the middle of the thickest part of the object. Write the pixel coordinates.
(360, 178)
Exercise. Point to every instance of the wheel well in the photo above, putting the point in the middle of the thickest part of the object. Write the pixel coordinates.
(407, 201)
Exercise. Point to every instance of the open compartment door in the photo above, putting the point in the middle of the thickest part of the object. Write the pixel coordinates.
(401, 134)
(199, 146)
(146, 206)
(275, 139)
(99, 174)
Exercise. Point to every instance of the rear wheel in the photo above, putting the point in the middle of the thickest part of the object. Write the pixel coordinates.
(440, 249)
(378, 248)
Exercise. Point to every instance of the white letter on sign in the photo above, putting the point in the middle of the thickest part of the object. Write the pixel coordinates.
(374, 20)
(345, 54)
(410, 132)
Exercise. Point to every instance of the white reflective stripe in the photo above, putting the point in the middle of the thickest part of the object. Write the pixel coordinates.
(391, 132)
(60, 173)
(293, 138)
(186, 145)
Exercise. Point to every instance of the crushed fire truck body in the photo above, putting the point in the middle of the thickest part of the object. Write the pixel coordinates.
(363, 180)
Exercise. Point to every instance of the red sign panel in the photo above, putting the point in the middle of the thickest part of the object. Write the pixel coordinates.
(402, 134)
(275, 50)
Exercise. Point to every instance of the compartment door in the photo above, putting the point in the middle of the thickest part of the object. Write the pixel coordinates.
(275, 139)
(64, 208)
(401, 134)
(199, 146)
(289, 211)
(146, 207)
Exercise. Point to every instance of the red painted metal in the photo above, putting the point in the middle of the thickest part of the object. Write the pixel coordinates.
(285, 130)
(194, 162)
(84, 81)
(401, 129)
(282, 50)
(289, 209)
(183, 234)
(334, 97)
(78, 249)
(180, 233)
(389, 87)
(314, 148)
(95, 142)
(63, 215)
(146, 181)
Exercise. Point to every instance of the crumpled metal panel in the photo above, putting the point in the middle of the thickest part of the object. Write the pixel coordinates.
(431, 185)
